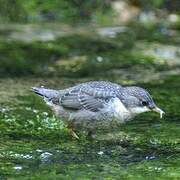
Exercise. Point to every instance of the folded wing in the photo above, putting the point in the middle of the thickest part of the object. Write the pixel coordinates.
(86, 97)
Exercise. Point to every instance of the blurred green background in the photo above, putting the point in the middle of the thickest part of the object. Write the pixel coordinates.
(59, 43)
(66, 37)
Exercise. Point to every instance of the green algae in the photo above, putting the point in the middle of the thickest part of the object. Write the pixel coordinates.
(36, 145)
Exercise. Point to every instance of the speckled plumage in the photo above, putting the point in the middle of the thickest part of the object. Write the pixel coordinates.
(97, 104)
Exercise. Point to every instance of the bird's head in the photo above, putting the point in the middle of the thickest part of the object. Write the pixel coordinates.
(137, 100)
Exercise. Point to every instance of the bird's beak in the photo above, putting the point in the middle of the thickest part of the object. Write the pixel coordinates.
(158, 110)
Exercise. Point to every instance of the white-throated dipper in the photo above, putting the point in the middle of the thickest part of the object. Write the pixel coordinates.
(97, 104)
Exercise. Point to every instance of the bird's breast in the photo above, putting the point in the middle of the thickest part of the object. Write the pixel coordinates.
(119, 111)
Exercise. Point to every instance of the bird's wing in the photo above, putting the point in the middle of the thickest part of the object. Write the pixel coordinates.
(86, 97)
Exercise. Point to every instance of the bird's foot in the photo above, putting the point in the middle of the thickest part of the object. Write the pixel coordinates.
(91, 135)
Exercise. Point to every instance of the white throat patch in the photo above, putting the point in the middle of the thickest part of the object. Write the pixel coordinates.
(119, 110)
(138, 110)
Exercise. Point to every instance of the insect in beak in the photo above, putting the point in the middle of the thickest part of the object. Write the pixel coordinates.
(158, 110)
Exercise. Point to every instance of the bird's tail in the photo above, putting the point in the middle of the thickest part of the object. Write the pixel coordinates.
(46, 93)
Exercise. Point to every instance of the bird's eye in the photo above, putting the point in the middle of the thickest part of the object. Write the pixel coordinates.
(144, 103)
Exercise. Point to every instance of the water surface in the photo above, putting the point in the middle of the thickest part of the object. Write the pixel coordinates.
(34, 144)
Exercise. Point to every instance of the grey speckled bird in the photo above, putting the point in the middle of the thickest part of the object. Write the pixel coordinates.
(97, 104)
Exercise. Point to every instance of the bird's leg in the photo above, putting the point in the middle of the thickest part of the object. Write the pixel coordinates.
(71, 131)
(73, 134)
(91, 135)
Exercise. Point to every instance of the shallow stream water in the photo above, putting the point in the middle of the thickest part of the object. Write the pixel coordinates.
(34, 144)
